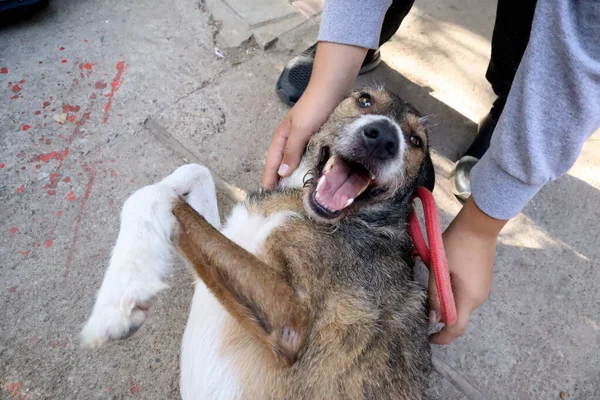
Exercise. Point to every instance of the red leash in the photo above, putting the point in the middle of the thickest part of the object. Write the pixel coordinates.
(434, 259)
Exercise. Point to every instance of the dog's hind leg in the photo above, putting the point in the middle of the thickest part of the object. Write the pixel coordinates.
(143, 253)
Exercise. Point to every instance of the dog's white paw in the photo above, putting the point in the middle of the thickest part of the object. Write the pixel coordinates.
(186, 176)
(113, 322)
(195, 184)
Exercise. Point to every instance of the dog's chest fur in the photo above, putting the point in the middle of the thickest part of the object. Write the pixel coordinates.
(370, 328)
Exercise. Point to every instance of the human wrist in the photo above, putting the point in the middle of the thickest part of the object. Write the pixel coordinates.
(472, 220)
(335, 70)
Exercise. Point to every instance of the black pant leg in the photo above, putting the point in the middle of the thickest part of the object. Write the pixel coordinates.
(509, 41)
(393, 18)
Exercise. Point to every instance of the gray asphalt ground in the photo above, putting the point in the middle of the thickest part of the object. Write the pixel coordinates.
(81, 81)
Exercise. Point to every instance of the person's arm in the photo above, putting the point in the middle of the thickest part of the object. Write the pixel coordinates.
(553, 106)
(348, 29)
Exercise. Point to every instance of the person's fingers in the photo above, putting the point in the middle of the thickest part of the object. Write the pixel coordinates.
(275, 154)
(435, 309)
(292, 154)
(448, 333)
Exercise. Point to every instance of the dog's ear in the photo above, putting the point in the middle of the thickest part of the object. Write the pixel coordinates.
(427, 174)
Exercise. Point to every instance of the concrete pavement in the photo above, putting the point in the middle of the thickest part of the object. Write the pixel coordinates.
(77, 84)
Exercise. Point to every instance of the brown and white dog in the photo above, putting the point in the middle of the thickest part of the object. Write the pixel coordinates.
(307, 291)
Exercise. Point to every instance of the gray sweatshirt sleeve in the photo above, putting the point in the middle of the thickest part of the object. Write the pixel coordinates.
(553, 107)
(355, 22)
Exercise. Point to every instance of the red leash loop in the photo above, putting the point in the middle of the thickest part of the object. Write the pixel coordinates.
(434, 258)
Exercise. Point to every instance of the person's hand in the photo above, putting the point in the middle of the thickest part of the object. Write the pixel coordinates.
(334, 72)
(291, 137)
(470, 244)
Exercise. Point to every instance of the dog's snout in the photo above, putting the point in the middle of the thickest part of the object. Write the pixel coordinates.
(381, 139)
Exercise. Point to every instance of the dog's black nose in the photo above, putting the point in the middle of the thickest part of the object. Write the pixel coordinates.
(381, 139)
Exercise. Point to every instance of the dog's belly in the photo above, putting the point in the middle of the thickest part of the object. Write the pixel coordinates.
(206, 371)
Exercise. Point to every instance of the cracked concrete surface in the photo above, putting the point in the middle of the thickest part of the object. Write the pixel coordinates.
(111, 66)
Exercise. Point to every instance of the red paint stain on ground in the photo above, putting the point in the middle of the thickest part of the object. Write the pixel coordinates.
(38, 112)
(15, 88)
(2, 166)
(86, 195)
(133, 387)
(54, 344)
(38, 166)
(64, 61)
(71, 196)
(113, 173)
(13, 230)
(51, 187)
(100, 85)
(20, 188)
(72, 118)
(61, 48)
(14, 389)
(22, 81)
(3, 70)
(67, 179)
(85, 40)
(93, 96)
(14, 97)
(25, 128)
(59, 213)
(48, 243)
(69, 108)
(87, 66)
(116, 83)
(46, 104)
(13, 289)
(24, 252)
(53, 155)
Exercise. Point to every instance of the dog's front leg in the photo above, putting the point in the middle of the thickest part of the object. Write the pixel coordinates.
(252, 292)
(143, 254)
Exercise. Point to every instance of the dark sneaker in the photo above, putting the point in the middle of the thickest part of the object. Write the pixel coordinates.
(462, 170)
(295, 76)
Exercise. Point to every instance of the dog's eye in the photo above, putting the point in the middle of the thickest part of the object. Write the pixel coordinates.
(365, 100)
(415, 141)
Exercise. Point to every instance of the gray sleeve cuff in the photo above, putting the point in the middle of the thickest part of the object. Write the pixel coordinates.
(353, 22)
(496, 192)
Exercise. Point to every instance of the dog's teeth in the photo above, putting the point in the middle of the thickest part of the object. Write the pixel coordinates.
(350, 201)
(364, 188)
(321, 202)
(320, 183)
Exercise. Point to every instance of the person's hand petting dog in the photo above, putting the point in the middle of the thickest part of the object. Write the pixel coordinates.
(334, 72)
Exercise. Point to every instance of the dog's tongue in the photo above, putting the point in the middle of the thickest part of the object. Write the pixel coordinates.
(339, 185)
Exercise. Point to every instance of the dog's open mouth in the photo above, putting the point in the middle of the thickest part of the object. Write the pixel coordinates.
(340, 183)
